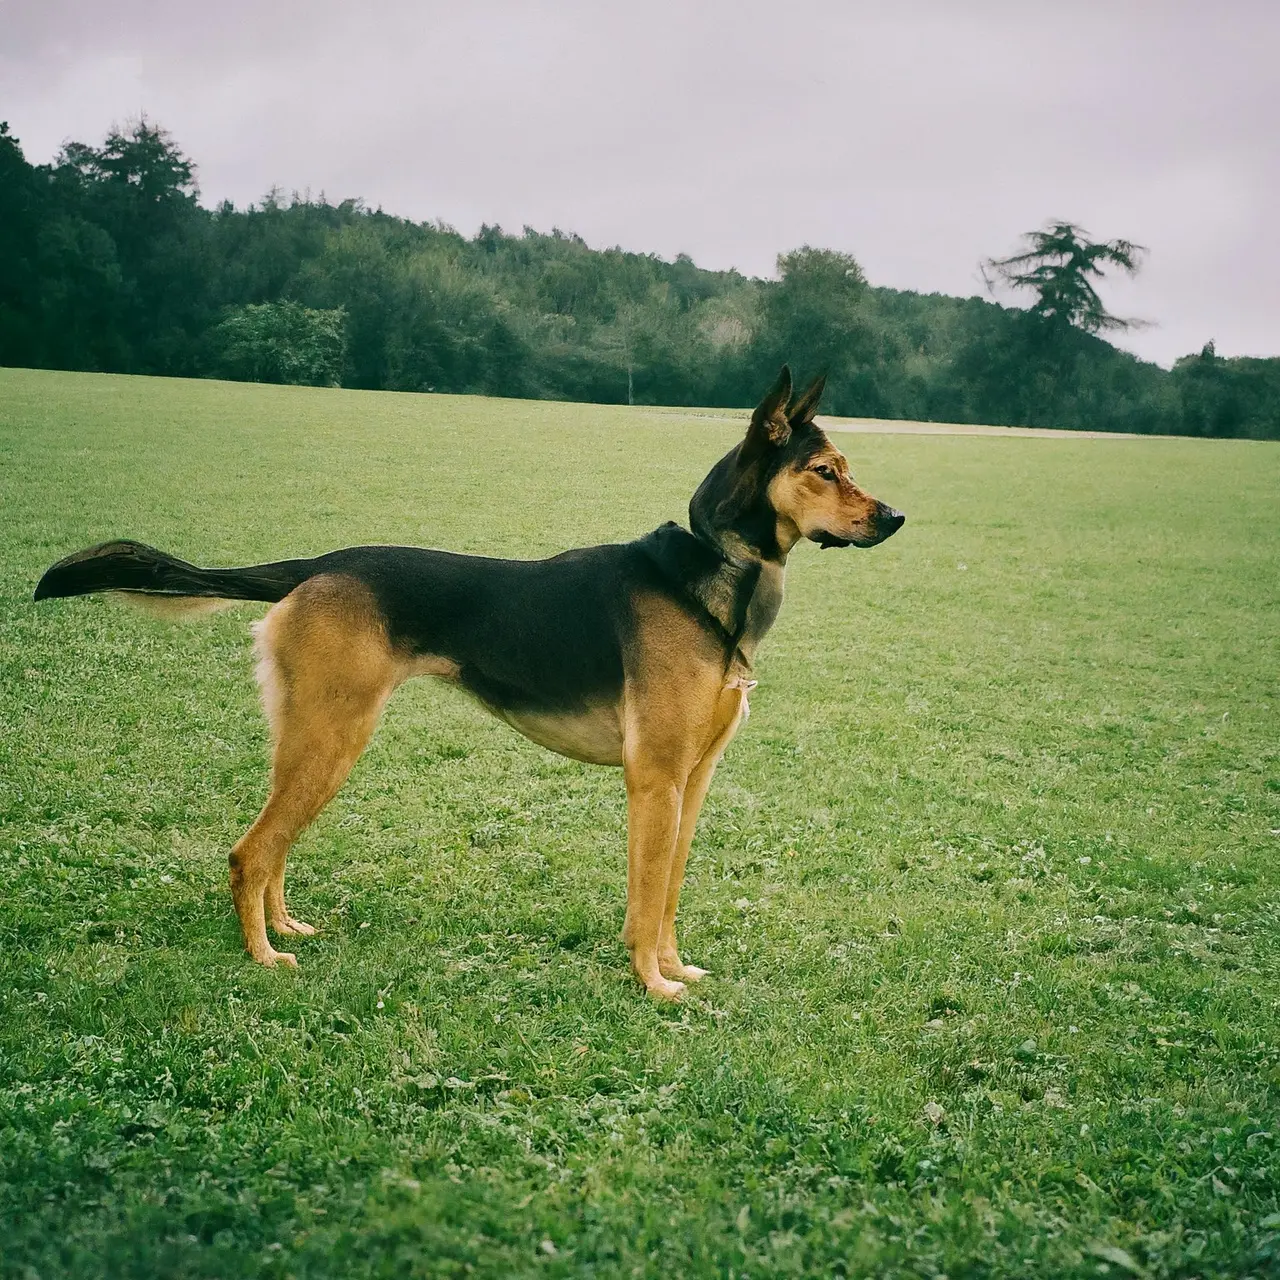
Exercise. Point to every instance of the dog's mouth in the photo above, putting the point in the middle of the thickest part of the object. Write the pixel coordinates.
(826, 540)
(886, 527)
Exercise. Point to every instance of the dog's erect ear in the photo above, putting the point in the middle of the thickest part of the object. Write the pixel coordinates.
(802, 412)
(769, 424)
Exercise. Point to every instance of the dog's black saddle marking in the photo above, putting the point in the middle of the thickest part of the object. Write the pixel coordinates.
(527, 635)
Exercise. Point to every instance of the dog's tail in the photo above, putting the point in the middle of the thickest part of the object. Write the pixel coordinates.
(163, 584)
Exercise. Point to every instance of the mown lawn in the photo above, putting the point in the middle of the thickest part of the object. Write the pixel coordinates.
(989, 884)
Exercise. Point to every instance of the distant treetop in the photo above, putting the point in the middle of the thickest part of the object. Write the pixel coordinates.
(1057, 265)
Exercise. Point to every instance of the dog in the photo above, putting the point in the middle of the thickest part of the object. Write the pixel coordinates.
(637, 654)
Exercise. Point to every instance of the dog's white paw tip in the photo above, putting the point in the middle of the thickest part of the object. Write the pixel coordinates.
(291, 926)
(666, 991)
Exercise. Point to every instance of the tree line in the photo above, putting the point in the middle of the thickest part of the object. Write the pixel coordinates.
(109, 262)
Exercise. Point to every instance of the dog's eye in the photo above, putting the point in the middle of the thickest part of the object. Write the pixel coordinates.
(826, 472)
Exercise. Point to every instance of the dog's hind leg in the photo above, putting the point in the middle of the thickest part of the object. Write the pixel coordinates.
(327, 671)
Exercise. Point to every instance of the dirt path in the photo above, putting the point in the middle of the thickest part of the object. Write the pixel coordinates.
(894, 426)
(886, 426)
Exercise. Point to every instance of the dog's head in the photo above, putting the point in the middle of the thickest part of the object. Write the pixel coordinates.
(786, 481)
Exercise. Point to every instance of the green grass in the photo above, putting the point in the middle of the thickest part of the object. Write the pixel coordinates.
(988, 884)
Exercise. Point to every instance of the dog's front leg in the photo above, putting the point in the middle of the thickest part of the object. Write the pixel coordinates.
(653, 821)
(668, 950)
(731, 711)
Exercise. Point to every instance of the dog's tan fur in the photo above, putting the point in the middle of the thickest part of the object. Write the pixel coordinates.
(172, 608)
(681, 710)
(326, 669)
(807, 501)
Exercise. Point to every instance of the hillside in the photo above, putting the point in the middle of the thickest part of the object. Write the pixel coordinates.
(111, 263)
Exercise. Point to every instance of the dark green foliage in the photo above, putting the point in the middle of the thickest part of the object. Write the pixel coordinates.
(1014, 368)
(107, 262)
(1218, 397)
(281, 342)
(21, 206)
(1057, 265)
(132, 206)
(820, 308)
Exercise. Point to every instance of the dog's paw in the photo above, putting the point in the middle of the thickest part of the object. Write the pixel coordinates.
(675, 969)
(290, 925)
(662, 989)
(269, 959)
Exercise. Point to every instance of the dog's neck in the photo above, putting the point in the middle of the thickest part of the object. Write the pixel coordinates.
(742, 547)
(732, 515)
(745, 593)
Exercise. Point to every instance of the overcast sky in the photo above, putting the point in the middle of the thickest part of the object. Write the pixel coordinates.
(919, 137)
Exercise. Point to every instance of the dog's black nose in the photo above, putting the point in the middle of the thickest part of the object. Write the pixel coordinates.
(889, 521)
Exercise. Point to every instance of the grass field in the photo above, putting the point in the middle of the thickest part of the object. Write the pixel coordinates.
(988, 885)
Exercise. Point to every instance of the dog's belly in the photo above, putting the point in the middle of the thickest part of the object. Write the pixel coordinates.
(593, 736)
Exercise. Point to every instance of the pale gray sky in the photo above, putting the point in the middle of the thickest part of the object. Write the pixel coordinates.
(918, 136)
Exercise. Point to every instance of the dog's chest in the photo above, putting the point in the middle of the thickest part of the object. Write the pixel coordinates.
(762, 610)
(593, 736)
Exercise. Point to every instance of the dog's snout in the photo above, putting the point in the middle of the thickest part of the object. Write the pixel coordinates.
(890, 521)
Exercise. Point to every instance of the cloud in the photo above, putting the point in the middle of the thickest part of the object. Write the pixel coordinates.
(920, 137)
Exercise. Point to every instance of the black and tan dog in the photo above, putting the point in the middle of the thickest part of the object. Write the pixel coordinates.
(636, 655)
